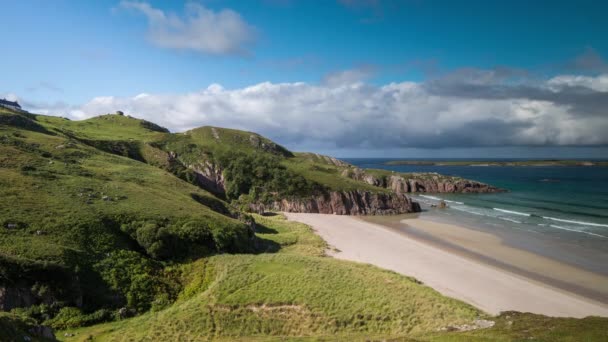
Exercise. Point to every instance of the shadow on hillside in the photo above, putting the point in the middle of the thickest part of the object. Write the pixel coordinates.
(269, 213)
(262, 229)
(266, 246)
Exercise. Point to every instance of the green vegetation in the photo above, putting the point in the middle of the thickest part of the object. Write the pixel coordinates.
(106, 232)
(325, 172)
(16, 328)
(297, 294)
(97, 216)
(72, 216)
(547, 162)
(294, 292)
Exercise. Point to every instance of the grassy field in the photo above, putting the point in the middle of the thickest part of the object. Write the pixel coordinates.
(70, 211)
(295, 292)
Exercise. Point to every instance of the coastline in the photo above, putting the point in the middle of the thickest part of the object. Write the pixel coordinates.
(503, 252)
(489, 287)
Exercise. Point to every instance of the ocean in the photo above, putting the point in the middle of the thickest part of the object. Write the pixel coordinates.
(568, 204)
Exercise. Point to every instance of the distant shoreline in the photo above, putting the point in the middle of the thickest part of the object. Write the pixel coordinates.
(548, 162)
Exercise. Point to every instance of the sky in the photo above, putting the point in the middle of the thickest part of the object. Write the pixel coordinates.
(350, 78)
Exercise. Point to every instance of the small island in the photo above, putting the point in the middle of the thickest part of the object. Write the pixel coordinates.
(532, 162)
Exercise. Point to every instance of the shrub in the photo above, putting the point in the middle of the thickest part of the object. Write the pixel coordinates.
(71, 317)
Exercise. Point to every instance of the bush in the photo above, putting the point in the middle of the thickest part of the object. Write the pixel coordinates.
(133, 277)
(262, 177)
(71, 317)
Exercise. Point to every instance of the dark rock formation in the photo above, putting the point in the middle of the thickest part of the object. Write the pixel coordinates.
(355, 202)
(209, 176)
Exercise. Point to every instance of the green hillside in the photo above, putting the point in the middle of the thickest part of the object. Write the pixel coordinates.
(294, 292)
(107, 233)
(70, 213)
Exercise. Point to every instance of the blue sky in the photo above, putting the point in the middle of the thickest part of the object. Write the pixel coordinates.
(77, 57)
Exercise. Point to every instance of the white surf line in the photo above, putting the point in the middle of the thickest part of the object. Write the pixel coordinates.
(576, 222)
(512, 212)
(508, 219)
(576, 231)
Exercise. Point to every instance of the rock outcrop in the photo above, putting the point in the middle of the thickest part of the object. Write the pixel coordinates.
(421, 182)
(355, 202)
(209, 176)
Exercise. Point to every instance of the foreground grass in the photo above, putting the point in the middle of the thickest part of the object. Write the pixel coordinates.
(296, 292)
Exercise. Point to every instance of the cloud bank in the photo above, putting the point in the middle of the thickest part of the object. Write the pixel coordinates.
(199, 29)
(468, 108)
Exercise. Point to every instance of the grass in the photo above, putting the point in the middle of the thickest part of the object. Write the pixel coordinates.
(93, 210)
(296, 292)
(322, 172)
(66, 207)
(15, 328)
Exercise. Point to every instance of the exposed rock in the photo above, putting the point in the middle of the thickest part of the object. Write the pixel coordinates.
(442, 204)
(215, 134)
(421, 182)
(477, 324)
(210, 176)
(361, 175)
(355, 202)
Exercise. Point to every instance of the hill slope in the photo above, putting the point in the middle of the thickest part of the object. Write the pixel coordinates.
(113, 217)
(70, 213)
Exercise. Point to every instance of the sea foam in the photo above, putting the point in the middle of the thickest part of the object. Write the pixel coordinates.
(512, 212)
(576, 222)
(576, 231)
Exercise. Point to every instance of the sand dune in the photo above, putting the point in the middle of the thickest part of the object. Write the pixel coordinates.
(488, 288)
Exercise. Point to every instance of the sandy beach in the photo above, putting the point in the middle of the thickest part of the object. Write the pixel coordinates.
(486, 286)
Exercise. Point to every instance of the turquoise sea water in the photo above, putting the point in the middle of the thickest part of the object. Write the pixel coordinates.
(565, 203)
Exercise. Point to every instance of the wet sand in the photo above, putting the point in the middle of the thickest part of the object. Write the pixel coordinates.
(462, 268)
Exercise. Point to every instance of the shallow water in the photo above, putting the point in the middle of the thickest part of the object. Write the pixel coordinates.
(565, 205)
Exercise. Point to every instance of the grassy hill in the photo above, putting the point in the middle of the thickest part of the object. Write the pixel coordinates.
(107, 233)
(293, 292)
(71, 212)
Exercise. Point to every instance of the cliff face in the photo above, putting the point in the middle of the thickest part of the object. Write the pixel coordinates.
(210, 176)
(345, 203)
(422, 182)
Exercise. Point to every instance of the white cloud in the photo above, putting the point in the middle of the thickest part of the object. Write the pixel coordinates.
(200, 29)
(358, 115)
(599, 83)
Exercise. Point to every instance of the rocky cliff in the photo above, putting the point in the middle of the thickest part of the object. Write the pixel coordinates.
(402, 183)
(355, 202)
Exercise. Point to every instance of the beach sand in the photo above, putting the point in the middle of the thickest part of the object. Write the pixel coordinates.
(449, 270)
